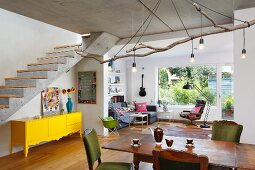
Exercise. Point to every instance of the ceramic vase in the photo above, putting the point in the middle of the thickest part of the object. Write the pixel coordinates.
(69, 105)
(158, 135)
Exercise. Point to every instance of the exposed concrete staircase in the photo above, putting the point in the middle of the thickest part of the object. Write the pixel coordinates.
(29, 83)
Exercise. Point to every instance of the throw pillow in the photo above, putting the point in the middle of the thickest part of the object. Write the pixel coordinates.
(141, 106)
(119, 111)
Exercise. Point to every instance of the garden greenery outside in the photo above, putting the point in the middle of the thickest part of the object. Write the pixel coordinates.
(172, 79)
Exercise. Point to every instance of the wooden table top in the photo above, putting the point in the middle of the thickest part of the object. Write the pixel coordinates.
(220, 153)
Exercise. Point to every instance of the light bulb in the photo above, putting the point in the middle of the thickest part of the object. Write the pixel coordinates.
(110, 66)
(243, 56)
(192, 58)
(201, 44)
(134, 67)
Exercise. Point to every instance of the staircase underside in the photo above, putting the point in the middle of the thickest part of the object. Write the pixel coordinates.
(19, 90)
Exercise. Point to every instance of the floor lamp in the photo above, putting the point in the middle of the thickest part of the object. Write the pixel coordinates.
(188, 86)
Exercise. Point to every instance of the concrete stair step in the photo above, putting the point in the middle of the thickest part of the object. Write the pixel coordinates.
(53, 65)
(9, 96)
(19, 86)
(35, 72)
(55, 56)
(28, 77)
(45, 63)
(16, 90)
(36, 69)
(61, 52)
(4, 106)
(67, 46)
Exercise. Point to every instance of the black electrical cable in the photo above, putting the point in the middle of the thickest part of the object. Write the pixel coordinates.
(136, 31)
(180, 18)
(147, 25)
(217, 11)
(156, 15)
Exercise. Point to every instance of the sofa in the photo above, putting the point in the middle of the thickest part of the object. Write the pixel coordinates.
(124, 118)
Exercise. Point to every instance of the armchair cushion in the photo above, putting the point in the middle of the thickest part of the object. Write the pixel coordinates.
(114, 166)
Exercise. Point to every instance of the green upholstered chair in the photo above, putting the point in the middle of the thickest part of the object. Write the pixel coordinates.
(111, 124)
(93, 153)
(181, 160)
(226, 131)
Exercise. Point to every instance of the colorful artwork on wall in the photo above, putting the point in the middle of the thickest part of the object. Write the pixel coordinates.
(50, 100)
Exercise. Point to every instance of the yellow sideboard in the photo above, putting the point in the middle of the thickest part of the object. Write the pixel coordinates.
(26, 132)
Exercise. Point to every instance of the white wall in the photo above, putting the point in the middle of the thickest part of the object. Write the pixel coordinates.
(216, 55)
(22, 41)
(244, 78)
(92, 111)
(33, 108)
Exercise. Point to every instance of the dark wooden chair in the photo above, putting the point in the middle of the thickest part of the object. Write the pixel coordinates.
(224, 130)
(178, 160)
(93, 153)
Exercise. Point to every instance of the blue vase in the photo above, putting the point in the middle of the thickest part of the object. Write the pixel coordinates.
(69, 105)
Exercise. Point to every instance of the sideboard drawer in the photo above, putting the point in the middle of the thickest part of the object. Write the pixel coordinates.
(73, 128)
(73, 118)
(37, 130)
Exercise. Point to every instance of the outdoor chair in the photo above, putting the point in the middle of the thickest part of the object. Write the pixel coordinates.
(181, 160)
(195, 113)
(226, 131)
(93, 153)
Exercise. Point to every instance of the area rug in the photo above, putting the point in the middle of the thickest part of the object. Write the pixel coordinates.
(196, 133)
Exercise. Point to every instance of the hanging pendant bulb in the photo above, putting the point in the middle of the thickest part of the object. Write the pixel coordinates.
(243, 56)
(201, 44)
(110, 66)
(192, 58)
(134, 64)
(134, 67)
(201, 41)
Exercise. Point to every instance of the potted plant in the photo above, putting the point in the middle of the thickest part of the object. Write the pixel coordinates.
(228, 106)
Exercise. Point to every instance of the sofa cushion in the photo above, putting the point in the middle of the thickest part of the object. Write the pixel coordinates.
(141, 106)
(151, 114)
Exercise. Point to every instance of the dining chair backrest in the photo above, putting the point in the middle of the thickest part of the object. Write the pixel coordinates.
(226, 131)
(92, 148)
(181, 160)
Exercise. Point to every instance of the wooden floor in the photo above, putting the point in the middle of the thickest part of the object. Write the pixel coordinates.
(69, 153)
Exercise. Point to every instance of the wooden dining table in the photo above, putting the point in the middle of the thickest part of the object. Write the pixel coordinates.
(220, 153)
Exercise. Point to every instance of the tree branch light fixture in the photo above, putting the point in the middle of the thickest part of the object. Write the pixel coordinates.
(152, 49)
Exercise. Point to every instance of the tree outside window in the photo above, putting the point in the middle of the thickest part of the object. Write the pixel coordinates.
(172, 79)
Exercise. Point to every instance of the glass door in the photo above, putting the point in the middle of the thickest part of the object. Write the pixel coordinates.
(227, 90)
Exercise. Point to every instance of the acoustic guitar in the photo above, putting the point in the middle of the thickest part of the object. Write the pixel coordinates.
(142, 92)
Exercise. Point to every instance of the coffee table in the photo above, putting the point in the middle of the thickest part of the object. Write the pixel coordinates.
(139, 115)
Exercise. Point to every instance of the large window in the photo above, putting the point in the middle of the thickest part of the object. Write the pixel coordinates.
(215, 81)
(172, 79)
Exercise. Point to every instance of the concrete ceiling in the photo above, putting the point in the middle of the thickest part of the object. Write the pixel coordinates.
(116, 16)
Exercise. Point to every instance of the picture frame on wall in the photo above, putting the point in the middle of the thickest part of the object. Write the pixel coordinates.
(87, 87)
(50, 101)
